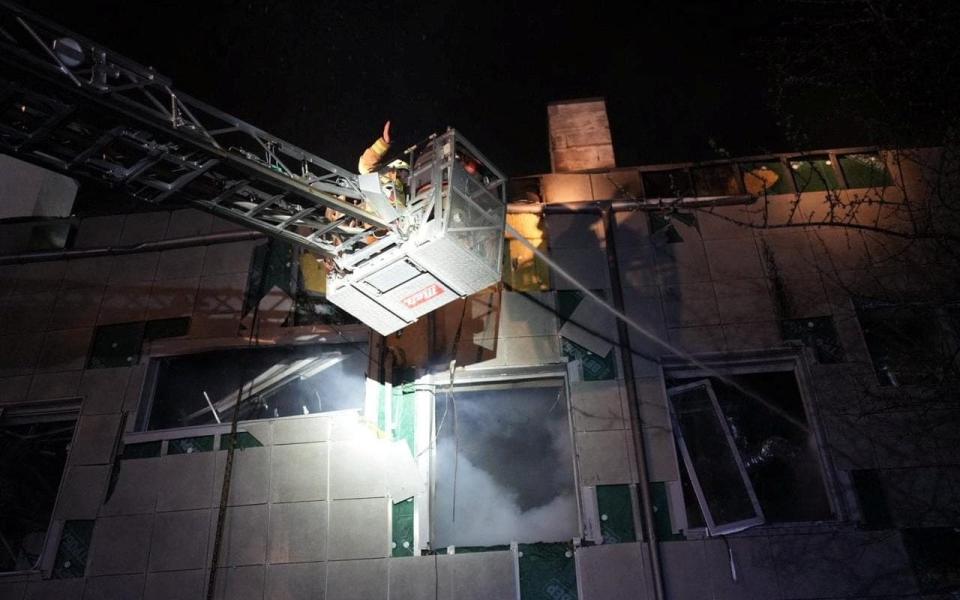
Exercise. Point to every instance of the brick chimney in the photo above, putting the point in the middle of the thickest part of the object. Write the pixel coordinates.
(579, 136)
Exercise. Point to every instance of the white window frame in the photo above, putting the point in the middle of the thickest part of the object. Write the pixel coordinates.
(790, 360)
(713, 528)
(438, 382)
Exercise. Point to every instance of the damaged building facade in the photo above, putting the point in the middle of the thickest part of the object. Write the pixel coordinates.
(775, 416)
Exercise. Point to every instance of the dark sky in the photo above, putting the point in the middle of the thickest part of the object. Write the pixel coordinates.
(325, 75)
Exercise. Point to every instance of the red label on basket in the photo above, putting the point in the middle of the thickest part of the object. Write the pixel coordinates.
(417, 298)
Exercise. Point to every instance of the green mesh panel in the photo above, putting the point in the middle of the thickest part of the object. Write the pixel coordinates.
(547, 572)
(190, 445)
(244, 440)
(595, 367)
(73, 549)
(141, 450)
(616, 514)
(402, 514)
(661, 513)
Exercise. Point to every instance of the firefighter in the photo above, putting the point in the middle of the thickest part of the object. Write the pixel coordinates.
(393, 178)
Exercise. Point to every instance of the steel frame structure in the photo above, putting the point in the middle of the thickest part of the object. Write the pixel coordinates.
(73, 105)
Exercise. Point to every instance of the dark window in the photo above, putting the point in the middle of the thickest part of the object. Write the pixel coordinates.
(719, 180)
(865, 171)
(32, 459)
(814, 174)
(768, 427)
(503, 467)
(199, 389)
(910, 344)
(667, 184)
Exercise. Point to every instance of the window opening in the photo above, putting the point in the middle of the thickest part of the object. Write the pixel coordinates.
(32, 460)
(278, 382)
(771, 440)
(911, 344)
(503, 468)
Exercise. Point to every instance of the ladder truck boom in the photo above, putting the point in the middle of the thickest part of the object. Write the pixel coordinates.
(72, 105)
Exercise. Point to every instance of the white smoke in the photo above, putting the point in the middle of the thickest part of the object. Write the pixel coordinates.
(488, 511)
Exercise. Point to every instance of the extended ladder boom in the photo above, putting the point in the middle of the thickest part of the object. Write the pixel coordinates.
(75, 106)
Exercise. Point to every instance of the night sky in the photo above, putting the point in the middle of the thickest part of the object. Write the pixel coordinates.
(682, 82)
(325, 75)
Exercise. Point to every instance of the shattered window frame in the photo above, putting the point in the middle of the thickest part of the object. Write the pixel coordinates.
(44, 413)
(290, 368)
(787, 362)
(713, 527)
(506, 381)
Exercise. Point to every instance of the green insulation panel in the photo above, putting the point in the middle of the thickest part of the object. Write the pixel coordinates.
(244, 440)
(203, 443)
(141, 450)
(547, 572)
(616, 514)
(73, 550)
(661, 513)
(402, 515)
(404, 415)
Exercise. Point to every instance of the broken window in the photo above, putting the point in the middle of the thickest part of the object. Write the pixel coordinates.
(503, 467)
(33, 453)
(713, 464)
(749, 454)
(202, 389)
(911, 344)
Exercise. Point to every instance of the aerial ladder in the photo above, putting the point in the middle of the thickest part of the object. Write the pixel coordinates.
(74, 106)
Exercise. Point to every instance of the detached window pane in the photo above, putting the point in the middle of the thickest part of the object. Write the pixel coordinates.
(277, 382)
(814, 174)
(724, 492)
(504, 465)
(765, 416)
